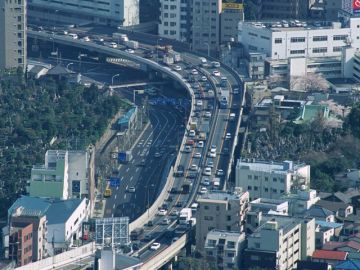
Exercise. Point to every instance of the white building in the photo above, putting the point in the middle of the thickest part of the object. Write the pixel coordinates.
(280, 243)
(175, 19)
(64, 175)
(224, 248)
(298, 48)
(301, 201)
(270, 179)
(104, 12)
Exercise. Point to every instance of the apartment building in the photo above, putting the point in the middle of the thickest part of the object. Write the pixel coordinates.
(231, 15)
(295, 48)
(301, 200)
(221, 211)
(175, 19)
(20, 243)
(224, 248)
(280, 243)
(12, 34)
(105, 12)
(270, 179)
(206, 25)
(60, 226)
(64, 175)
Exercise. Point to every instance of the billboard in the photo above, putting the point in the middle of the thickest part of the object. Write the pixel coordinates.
(114, 182)
(121, 157)
(356, 6)
(233, 4)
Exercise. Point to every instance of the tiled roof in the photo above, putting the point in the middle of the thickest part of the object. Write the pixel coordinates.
(318, 211)
(333, 245)
(326, 224)
(329, 255)
(348, 265)
(332, 206)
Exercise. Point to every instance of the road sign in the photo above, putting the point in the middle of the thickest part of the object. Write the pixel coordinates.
(114, 182)
(122, 157)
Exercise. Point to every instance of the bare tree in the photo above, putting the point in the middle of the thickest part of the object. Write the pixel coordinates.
(275, 80)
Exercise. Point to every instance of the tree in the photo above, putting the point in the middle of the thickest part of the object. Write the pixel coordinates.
(312, 82)
(353, 120)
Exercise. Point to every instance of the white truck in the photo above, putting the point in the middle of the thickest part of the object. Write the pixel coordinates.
(168, 59)
(132, 44)
(185, 216)
(175, 55)
(120, 37)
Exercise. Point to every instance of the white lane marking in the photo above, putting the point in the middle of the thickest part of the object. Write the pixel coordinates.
(114, 206)
(115, 196)
(117, 188)
(131, 178)
(137, 169)
(127, 186)
(127, 169)
(122, 178)
(124, 196)
(135, 196)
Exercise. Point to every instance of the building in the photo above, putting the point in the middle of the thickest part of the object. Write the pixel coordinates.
(64, 175)
(270, 206)
(13, 34)
(206, 25)
(301, 200)
(108, 259)
(280, 243)
(271, 179)
(221, 211)
(231, 15)
(224, 248)
(283, 9)
(326, 10)
(329, 256)
(296, 49)
(106, 12)
(175, 19)
(63, 219)
(20, 243)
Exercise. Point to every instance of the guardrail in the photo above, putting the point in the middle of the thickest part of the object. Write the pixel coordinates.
(165, 255)
(64, 258)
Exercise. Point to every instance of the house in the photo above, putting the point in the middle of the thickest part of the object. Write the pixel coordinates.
(320, 213)
(348, 265)
(326, 231)
(329, 256)
(340, 209)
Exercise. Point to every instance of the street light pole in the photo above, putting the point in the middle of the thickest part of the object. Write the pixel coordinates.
(113, 77)
(208, 48)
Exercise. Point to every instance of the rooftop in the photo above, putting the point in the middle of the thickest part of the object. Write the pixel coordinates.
(56, 210)
(318, 211)
(266, 166)
(126, 118)
(329, 255)
(326, 224)
(277, 223)
(220, 196)
(333, 245)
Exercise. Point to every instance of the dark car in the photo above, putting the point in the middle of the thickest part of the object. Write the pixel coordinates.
(174, 191)
(150, 223)
(179, 204)
(191, 175)
(148, 238)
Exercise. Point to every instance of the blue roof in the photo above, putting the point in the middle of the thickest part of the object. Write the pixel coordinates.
(348, 265)
(126, 118)
(325, 224)
(318, 211)
(56, 210)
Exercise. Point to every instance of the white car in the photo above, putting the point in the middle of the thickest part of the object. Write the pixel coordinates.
(203, 190)
(210, 164)
(200, 144)
(196, 85)
(193, 167)
(212, 153)
(216, 73)
(219, 172)
(199, 103)
(197, 155)
(86, 39)
(194, 72)
(129, 51)
(162, 212)
(203, 78)
(174, 213)
(112, 45)
(187, 148)
(131, 189)
(228, 136)
(207, 114)
(192, 133)
(155, 246)
(215, 64)
(206, 182)
(236, 91)
(207, 171)
(165, 221)
(213, 146)
(177, 68)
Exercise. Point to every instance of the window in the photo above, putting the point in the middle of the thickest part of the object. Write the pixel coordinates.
(266, 178)
(249, 188)
(340, 37)
(228, 218)
(206, 207)
(274, 179)
(257, 245)
(231, 244)
(256, 177)
(255, 188)
(320, 38)
(297, 51)
(297, 39)
(266, 38)
(337, 49)
(319, 50)
(266, 190)
(278, 40)
(249, 177)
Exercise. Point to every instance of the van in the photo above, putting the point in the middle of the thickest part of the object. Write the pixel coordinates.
(73, 36)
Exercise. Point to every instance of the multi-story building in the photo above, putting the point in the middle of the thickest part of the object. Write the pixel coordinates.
(206, 25)
(175, 19)
(280, 243)
(20, 243)
(12, 34)
(283, 9)
(224, 248)
(61, 221)
(301, 200)
(231, 15)
(295, 49)
(221, 211)
(64, 175)
(105, 12)
(270, 179)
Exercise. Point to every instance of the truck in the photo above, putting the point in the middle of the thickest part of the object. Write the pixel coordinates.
(168, 60)
(124, 157)
(132, 44)
(134, 235)
(166, 48)
(175, 55)
(193, 125)
(120, 37)
(202, 136)
(185, 216)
